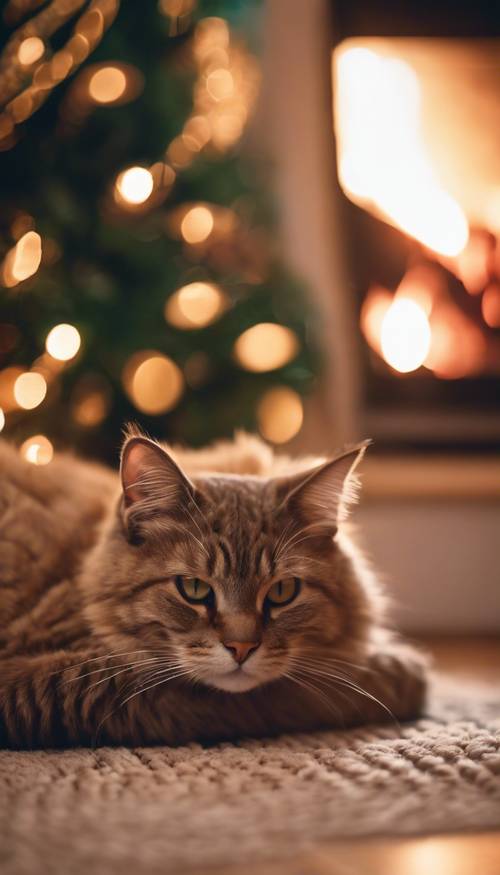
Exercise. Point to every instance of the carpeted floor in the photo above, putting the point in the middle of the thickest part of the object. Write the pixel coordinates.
(164, 810)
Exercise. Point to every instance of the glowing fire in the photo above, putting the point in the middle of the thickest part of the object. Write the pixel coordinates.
(383, 161)
(420, 325)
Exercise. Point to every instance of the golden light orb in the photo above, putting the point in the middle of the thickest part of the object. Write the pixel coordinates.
(195, 305)
(23, 260)
(30, 50)
(405, 336)
(107, 85)
(63, 342)
(197, 224)
(37, 449)
(265, 346)
(2, 419)
(156, 385)
(29, 390)
(134, 185)
(280, 414)
(220, 84)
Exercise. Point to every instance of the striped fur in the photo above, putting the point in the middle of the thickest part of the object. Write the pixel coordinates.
(97, 644)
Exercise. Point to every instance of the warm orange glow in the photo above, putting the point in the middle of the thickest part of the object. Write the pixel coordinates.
(155, 385)
(195, 305)
(29, 390)
(197, 224)
(134, 185)
(37, 449)
(23, 260)
(405, 335)
(30, 50)
(490, 305)
(265, 347)
(375, 306)
(107, 85)
(91, 410)
(280, 415)
(473, 264)
(2, 419)
(383, 161)
(63, 342)
(220, 84)
(8, 378)
(457, 346)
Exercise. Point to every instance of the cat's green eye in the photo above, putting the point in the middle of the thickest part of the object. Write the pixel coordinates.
(193, 589)
(284, 591)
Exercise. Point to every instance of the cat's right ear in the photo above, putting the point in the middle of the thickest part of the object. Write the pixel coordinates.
(154, 487)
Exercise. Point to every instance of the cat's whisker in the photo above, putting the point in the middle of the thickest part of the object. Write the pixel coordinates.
(307, 685)
(332, 660)
(161, 681)
(350, 684)
(129, 667)
(113, 655)
(123, 665)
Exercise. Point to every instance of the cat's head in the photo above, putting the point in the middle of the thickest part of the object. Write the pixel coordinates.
(237, 579)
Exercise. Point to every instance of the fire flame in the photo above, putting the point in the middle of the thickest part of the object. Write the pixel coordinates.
(383, 162)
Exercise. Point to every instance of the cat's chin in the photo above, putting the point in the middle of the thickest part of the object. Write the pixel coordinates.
(237, 681)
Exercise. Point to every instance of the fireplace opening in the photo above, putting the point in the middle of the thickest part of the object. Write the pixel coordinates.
(417, 132)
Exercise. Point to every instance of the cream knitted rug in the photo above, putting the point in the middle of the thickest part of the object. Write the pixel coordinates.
(165, 810)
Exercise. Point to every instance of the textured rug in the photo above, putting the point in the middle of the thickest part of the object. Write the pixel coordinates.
(166, 810)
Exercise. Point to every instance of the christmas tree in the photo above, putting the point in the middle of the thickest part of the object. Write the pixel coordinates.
(140, 277)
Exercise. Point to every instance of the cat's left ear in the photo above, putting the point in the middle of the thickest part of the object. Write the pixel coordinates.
(321, 496)
(154, 487)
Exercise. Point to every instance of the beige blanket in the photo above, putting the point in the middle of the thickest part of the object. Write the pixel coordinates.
(165, 810)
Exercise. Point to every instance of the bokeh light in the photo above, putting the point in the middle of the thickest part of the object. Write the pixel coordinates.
(107, 84)
(37, 449)
(30, 50)
(8, 378)
(63, 342)
(220, 84)
(91, 400)
(405, 335)
(197, 224)
(134, 186)
(280, 414)
(2, 419)
(153, 382)
(23, 260)
(29, 390)
(265, 347)
(195, 305)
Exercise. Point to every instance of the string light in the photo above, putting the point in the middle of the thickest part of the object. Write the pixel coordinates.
(29, 390)
(107, 85)
(63, 342)
(134, 185)
(30, 50)
(280, 414)
(153, 382)
(195, 305)
(197, 224)
(265, 347)
(23, 260)
(38, 450)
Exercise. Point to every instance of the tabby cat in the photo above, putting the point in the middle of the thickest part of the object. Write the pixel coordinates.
(210, 595)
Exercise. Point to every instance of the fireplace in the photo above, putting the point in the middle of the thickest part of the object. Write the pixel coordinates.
(416, 115)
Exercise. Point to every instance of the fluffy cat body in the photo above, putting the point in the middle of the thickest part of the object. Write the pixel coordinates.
(103, 635)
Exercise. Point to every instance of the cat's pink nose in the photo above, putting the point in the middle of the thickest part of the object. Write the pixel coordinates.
(241, 650)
